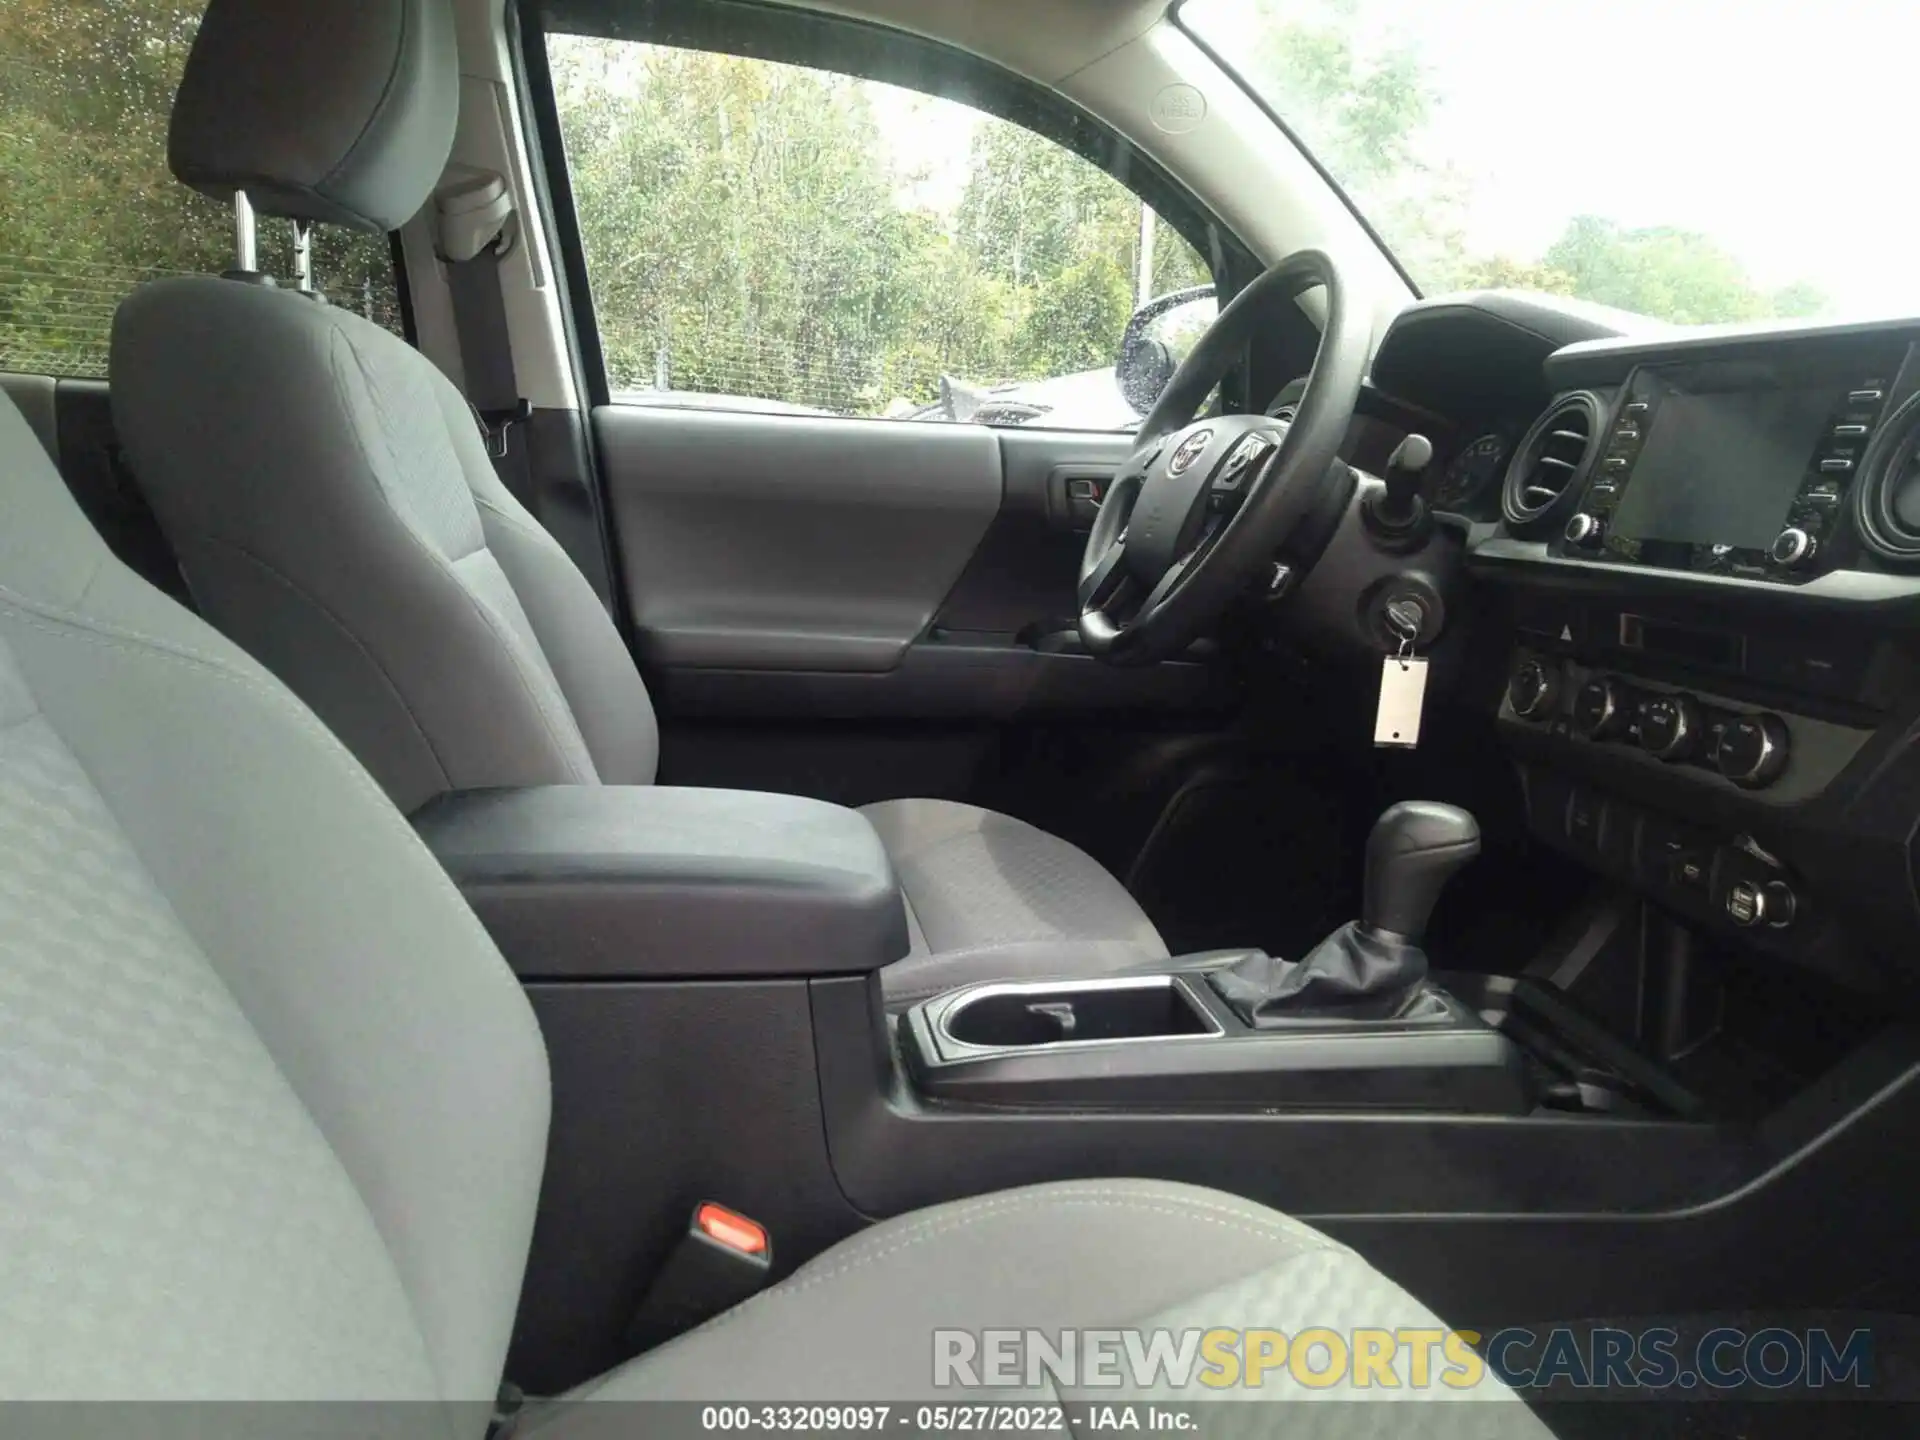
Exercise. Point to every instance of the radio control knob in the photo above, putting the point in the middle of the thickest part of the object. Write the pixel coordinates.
(1533, 689)
(1793, 547)
(1670, 726)
(1584, 530)
(1599, 710)
(1752, 750)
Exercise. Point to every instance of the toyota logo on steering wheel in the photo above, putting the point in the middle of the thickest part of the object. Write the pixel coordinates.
(1188, 451)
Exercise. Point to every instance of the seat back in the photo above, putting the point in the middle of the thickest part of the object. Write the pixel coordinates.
(324, 486)
(273, 1108)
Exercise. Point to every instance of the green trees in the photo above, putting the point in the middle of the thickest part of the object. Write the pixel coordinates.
(84, 187)
(749, 229)
(788, 234)
(89, 207)
(1675, 274)
(737, 232)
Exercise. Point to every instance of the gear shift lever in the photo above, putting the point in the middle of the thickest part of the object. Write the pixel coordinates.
(1371, 968)
(1416, 847)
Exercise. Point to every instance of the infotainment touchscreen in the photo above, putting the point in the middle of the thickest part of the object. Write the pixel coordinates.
(1724, 454)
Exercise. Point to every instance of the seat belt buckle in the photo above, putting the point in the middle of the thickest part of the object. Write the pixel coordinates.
(494, 425)
(722, 1259)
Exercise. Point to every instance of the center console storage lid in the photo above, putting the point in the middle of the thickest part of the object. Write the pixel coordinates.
(635, 882)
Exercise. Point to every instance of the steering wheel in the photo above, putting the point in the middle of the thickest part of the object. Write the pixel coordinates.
(1200, 506)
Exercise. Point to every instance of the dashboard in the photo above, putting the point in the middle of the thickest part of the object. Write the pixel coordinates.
(1699, 551)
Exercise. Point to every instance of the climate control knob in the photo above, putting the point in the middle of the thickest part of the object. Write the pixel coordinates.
(1533, 689)
(1793, 547)
(1584, 530)
(1670, 726)
(1600, 709)
(1752, 750)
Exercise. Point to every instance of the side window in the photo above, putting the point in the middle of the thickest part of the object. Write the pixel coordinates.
(91, 209)
(764, 237)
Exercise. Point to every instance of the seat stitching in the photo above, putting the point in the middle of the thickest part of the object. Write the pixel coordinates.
(537, 534)
(916, 995)
(932, 1230)
(351, 635)
(995, 945)
(532, 531)
(507, 643)
(927, 992)
(940, 959)
(389, 90)
(987, 1203)
(1179, 1208)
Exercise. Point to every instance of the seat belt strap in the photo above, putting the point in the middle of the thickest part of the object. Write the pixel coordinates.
(486, 347)
(475, 215)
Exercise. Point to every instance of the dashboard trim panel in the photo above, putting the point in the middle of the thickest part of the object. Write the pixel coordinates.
(1608, 361)
(1513, 558)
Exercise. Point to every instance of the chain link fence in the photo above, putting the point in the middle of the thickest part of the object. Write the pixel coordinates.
(844, 375)
(56, 318)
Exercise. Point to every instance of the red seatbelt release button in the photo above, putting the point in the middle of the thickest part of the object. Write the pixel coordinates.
(731, 1229)
(722, 1259)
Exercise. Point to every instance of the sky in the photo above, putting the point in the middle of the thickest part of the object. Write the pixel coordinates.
(1777, 127)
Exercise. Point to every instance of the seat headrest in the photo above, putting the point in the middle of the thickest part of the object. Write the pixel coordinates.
(341, 113)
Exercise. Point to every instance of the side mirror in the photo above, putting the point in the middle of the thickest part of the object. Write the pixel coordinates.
(1157, 339)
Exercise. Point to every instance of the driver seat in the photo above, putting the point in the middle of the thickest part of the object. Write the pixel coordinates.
(334, 511)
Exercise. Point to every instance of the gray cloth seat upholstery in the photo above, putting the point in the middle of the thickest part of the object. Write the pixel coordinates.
(266, 1145)
(989, 896)
(334, 510)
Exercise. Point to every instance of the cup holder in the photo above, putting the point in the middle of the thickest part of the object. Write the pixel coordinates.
(1007, 1017)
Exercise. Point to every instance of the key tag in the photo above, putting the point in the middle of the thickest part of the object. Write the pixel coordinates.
(1403, 693)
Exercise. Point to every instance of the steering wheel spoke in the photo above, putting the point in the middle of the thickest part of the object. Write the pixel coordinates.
(1102, 586)
(1210, 531)
(1201, 505)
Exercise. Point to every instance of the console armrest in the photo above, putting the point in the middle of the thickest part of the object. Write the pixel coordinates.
(638, 882)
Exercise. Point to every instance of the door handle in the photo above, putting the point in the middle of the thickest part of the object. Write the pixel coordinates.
(1074, 494)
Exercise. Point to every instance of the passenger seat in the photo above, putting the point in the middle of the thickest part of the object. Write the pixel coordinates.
(275, 1110)
(334, 511)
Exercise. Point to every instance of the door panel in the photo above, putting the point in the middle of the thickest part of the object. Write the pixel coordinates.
(795, 568)
(1023, 573)
(757, 542)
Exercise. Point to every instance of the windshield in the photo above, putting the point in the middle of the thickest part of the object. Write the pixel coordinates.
(1691, 160)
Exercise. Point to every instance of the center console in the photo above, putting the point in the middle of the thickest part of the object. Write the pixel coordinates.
(624, 882)
(705, 970)
(1353, 1023)
(1712, 688)
(1168, 1040)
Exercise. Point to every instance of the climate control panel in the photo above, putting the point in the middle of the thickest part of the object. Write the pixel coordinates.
(1687, 794)
(1749, 748)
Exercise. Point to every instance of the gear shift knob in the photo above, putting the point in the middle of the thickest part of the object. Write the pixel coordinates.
(1416, 847)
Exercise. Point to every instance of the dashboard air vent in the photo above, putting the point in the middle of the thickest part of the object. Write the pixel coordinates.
(1553, 455)
(1887, 497)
